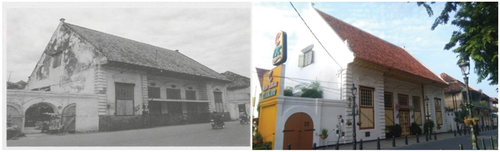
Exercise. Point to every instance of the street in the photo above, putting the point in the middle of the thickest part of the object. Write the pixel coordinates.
(234, 135)
(452, 143)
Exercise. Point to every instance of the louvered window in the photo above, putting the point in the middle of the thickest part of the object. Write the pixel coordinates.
(153, 92)
(124, 94)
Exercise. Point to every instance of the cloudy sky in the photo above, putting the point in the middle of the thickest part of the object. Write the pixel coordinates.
(214, 34)
(401, 23)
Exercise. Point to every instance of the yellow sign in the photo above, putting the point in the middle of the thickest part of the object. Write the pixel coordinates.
(271, 83)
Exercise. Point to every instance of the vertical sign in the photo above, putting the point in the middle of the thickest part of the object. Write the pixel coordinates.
(280, 49)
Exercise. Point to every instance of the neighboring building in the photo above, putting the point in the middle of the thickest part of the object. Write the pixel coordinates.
(456, 95)
(130, 79)
(391, 87)
(238, 95)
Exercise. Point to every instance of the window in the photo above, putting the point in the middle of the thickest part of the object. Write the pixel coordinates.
(388, 100)
(153, 92)
(124, 94)
(439, 115)
(403, 100)
(417, 113)
(218, 102)
(308, 57)
(173, 93)
(190, 95)
(389, 112)
(56, 60)
(366, 111)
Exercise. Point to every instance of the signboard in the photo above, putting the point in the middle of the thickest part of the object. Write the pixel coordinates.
(279, 55)
(271, 83)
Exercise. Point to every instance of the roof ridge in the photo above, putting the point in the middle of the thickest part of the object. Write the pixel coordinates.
(364, 45)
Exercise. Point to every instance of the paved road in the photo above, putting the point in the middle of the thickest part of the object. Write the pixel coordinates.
(234, 135)
(444, 141)
(452, 143)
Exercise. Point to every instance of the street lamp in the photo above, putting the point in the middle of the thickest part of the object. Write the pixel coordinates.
(465, 67)
(354, 91)
(429, 130)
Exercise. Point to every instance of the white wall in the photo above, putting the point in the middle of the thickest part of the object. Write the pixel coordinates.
(322, 112)
(324, 68)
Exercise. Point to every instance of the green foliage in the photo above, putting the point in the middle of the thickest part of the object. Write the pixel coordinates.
(312, 90)
(429, 124)
(477, 37)
(288, 91)
(257, 136)
(414, 129)
(394, 130)
(262, 146)
(324, 132)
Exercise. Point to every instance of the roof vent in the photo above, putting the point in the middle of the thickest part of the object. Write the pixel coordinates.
(62, 19)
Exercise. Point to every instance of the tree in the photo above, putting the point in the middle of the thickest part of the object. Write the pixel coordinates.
(477, 37)
(20, 85)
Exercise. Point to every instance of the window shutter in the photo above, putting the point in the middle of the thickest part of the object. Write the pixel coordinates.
(301, 60)
(312, 57)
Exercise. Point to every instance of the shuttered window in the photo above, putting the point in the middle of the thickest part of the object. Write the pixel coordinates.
(403, 100)
(173, 93)
(218, 102)
(417, 114)
(388, 105)
(124, 94)
(190, 95)
(366, 110)
(439, 116)
(153, 92)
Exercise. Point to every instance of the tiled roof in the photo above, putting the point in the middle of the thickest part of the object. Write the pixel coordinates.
(260, 74)
(124, 50)
(373, 49)
(237, 81)
(455, 85)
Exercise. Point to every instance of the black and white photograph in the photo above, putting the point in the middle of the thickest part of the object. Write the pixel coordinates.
(156, 74)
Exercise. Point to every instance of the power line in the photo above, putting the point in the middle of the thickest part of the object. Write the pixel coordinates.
(315, 36)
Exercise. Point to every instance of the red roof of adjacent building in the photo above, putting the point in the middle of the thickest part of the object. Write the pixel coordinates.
(260, 74)
(455, 85)
(373, 49)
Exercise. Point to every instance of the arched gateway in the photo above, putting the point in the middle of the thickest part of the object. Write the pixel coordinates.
(298, 132)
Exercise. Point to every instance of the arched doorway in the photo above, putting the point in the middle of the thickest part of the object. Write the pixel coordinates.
(36, 114)
(298, 132)
(69, 118)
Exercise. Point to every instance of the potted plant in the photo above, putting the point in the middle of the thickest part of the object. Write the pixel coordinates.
(387, 129)
(257, 138)
(359, 123)
(349, 123)
(324, 134)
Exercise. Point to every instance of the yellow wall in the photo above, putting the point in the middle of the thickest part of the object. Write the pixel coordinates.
(268, 106)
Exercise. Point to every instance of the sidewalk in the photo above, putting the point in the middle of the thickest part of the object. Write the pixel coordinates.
(387, 143)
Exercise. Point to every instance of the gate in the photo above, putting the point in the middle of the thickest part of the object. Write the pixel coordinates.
(298, 132)
(68, 118)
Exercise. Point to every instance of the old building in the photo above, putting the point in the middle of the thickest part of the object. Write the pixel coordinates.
(238, 94)
(388, 84)
(456, 98)
(137, 85)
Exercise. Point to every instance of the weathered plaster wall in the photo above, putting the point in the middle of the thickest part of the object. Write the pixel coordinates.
(87, 119)
(236, 97)
(75, 74)
(114, 75)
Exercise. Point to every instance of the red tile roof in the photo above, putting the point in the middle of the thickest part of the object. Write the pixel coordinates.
(455, 85)
(260, 74)
(373, 49)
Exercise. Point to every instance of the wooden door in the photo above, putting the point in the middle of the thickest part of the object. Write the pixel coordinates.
(298, 132)
(69, 118)
(404, 121)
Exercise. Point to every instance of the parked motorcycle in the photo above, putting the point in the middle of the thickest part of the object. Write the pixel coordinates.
(244, 120)
(217, 124)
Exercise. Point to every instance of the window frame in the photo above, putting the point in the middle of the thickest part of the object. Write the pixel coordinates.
(372, 107)
(150, 93)
(124, 98)
(56, 60)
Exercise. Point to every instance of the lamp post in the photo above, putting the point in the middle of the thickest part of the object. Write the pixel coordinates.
(354, 90)
(465, 67)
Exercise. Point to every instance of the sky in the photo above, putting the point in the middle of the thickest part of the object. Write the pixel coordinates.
(400, 23)
(213, 34)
